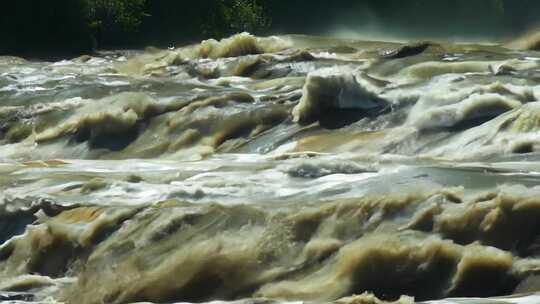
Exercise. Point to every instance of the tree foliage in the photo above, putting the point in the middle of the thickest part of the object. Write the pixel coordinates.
(112, 21)
(123, 14)
(209, 18)
(246, 16)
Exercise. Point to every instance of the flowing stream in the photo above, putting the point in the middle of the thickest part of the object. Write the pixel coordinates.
(290, 169)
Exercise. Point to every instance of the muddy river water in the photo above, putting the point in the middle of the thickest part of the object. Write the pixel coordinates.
(290, 169)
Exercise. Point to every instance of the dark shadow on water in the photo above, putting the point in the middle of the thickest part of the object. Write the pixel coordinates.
(333, 118)
(116, 141)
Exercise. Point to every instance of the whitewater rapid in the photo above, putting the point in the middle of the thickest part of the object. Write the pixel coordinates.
(290, 169)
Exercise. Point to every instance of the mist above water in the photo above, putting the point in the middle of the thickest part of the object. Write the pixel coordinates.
(450, 20)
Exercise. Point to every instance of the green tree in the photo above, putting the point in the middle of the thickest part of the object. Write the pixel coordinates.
(113, 22)
(122, 14)
(247, 16)
(234, 16)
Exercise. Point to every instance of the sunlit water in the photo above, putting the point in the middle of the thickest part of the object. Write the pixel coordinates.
(289, 169)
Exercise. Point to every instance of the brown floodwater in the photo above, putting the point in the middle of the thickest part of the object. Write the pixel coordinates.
(287, 169)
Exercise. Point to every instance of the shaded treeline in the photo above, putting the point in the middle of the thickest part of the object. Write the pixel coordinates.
(32, 27)
(35, 27)
(171, 22)
(67, 27)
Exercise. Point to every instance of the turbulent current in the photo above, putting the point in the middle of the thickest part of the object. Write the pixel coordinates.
(290, 169)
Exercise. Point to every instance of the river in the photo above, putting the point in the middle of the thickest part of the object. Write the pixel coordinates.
(286, 169)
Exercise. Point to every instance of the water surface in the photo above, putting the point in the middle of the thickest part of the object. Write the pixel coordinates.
(272, 170)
